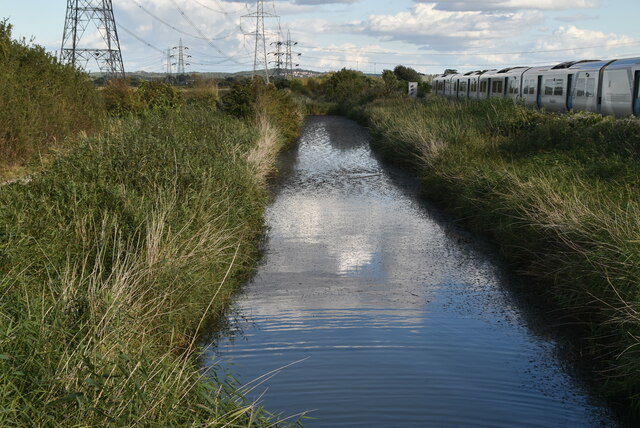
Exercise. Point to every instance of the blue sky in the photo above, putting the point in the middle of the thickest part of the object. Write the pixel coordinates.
(369, 35)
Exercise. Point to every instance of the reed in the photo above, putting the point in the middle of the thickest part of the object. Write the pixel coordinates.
(113, 260)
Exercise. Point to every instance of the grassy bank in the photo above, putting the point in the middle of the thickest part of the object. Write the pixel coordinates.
(559, 194)
(114, 257)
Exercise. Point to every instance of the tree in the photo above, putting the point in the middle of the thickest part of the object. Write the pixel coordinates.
(391, 83)
(406, 74)
(346, 85)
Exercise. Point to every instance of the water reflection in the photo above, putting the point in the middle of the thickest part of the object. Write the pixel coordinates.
(394, 319)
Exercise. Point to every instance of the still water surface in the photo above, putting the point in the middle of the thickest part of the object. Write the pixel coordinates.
(394, 316)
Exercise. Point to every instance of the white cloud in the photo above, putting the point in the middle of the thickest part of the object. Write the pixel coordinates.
(475, 5)
(444, 30)
(587, 43)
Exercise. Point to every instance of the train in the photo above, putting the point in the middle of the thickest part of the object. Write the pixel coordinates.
(610, 87)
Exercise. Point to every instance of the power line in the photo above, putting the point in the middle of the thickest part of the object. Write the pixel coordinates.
(132, 34)
(195, 27)
(222, 10)
(173, 27)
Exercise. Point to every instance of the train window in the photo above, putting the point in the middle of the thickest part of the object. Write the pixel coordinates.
(526, 87)
(513, 86)
(483, 86)
(548, 87)
(463, 86)
(532, 88)
(558, 88)
(496, 86)
(474, 86)
(580, 87)
(591, 87)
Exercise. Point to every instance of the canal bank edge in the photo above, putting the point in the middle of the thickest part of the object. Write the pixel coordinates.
(556, 193)
(114, 256)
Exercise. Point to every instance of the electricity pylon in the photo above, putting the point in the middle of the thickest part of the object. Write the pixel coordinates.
(96, 16)
(181, 58)
(260, 58)
(169, 62)
(289, 56)
(278, 61)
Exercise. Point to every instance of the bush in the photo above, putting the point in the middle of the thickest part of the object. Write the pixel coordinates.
(121, 98)
(204, 93)
(160, 97)
(41, 100)
(247, 98)
(348, 87)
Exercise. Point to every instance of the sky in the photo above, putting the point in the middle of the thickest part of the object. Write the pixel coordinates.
(367, 35)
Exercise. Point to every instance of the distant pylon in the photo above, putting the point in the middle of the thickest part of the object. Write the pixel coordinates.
(181, 58)
(278, 61)
(169, 61)
(289, 56)
(96, 15)
(260, 58)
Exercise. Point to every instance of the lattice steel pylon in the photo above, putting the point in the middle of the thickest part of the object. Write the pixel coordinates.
(278, 61)
(260, 56)
(289, 56)
(96, 15)
(181, 56)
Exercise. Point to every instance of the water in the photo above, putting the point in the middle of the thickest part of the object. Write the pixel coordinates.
(391, 316)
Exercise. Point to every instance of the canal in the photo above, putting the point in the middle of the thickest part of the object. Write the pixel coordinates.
(372, 310)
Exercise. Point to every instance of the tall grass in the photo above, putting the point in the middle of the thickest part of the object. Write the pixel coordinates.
(558, 193)
(41, 101)
(114, 258)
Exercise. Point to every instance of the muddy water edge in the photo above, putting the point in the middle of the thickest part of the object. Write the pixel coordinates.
(383, 312)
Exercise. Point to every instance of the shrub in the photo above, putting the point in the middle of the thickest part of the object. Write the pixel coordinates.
(121, 98)
(160, 97)
(253, 96)
(347, 87)
(204, 93)
(41, 100)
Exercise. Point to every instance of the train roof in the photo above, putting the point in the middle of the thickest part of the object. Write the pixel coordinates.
(590, 65)
(621, 63)
(568, 64)
(509, 69)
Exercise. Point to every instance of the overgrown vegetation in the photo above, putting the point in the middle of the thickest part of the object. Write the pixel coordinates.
(121, 248)
(41, 101)
(559, 195)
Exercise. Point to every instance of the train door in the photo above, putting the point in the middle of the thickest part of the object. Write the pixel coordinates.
(539, 93)
(505, 87)
(570, 92)
(489, 87)
(636, 94)
(468, 87)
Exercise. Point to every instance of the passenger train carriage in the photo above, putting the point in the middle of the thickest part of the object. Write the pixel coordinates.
(605, 87)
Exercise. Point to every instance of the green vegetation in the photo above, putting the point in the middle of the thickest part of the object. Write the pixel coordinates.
(558, 193)
(41, 101)
(344, 91)
(119, 250)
